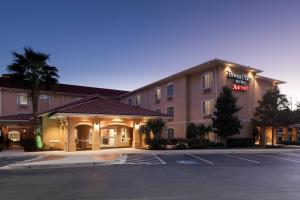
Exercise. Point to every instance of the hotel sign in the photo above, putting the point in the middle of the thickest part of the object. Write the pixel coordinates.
(240, 81)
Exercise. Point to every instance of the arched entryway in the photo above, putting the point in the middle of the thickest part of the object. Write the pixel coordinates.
(83, 137)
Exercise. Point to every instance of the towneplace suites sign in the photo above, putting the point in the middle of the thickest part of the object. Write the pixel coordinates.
(240, 81)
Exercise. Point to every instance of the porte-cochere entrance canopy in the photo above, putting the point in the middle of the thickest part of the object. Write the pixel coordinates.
(94, 123)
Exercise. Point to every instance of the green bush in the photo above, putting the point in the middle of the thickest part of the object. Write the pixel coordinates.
(174, 141)
(240, 142)
(181, 146)
(154, 144)
(198, 143)
(218, 144)
(28, 144)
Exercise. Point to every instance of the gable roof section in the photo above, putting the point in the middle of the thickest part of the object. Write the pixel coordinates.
(98, 105)
(201, 67)
(74, 89)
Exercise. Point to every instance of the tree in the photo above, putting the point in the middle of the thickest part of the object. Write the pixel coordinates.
(194, 131)
(272, 111)
(225, 121)
(31, 71)
(155, 126)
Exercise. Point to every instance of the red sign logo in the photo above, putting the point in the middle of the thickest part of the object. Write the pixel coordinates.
(237, 87)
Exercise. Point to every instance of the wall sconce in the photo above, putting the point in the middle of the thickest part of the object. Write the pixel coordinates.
(137, 126)
(96, 126)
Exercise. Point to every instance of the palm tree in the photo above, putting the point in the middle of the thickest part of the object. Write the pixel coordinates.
(31, 71)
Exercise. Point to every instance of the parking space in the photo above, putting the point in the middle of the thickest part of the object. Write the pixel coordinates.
(215, 159)
(143, 159)
(8, 160)
(181, 159)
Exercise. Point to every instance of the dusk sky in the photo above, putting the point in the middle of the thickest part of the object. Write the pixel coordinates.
(126, 44)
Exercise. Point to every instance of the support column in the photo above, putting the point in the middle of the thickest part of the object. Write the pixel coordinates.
(285, 136)
(71, 136)
(294, 134)
(136, 143)
(96, 135)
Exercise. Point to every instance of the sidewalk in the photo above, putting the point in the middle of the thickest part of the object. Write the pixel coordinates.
(58, 159)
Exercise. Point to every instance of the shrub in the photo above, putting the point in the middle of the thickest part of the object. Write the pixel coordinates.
(198, 143)
(218, 144)
(28, 144)
(192, 131)
(174, 141)
(240, 142)
(181, 146)
(156, 144)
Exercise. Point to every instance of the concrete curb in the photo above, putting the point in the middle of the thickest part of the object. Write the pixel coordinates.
(17, 166)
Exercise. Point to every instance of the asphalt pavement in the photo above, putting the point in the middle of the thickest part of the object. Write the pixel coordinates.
(189, 176)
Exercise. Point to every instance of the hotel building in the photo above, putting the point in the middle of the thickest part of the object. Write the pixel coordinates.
(76, 117)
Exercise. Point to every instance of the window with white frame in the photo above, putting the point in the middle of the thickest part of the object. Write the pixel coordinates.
(170, 111)
(207, 80)
(157, 94)
(22, 99)
(171, 133)
(170, 90)
(208, 107)
(138, 100)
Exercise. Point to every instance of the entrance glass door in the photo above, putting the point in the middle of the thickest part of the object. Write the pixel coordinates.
(108, 137)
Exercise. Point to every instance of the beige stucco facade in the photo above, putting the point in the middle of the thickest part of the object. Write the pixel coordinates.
(189, 95)
(82, 132)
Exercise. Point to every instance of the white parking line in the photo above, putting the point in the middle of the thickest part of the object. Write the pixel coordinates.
(292, 160)
(158, 158)
(211, 163)
(240, 158)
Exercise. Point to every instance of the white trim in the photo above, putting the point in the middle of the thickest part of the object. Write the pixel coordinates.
(104, 115)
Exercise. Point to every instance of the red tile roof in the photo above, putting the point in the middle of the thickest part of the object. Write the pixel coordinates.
(98, 105)
(20, 117)
(75, 89)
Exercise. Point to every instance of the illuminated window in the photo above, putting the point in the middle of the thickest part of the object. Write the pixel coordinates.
(208, 107)
(170, 111)
(171, 133)
(14, 136)
(22, 99)
(138, 100)
(170, 90)
(157, 94)
(207, 80)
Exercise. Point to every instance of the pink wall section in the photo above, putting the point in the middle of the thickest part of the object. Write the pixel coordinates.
(9, 105)
(189, 96)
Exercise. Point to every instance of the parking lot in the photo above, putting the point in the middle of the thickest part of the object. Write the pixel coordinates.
(215, 159)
